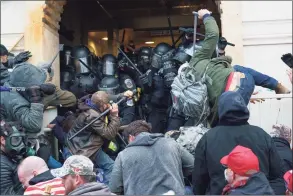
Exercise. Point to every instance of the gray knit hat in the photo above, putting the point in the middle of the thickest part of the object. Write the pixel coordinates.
(27, 75)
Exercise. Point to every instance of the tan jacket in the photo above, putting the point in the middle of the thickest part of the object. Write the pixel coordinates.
(91, 140)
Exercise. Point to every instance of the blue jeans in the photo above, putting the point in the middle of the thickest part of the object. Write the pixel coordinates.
(251, 79)
(104, 162)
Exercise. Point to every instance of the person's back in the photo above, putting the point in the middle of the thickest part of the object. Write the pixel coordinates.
(234, 130)
(151, 165)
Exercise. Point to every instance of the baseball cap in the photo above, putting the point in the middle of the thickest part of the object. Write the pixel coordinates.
(75, 165)
(288, 177)
(241, 160)
(4, 51)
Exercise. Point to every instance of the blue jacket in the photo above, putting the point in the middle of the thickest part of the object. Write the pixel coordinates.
(257, 184)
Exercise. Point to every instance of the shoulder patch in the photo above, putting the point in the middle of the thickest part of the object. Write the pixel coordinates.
(128, 82)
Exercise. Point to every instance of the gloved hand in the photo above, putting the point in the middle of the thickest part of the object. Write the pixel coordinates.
(34, 94)
(48, 89)
(222, 43)
(146, 78)
(288, 59)
(22, 57)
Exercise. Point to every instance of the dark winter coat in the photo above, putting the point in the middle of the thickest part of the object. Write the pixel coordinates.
(233, 130)
(151, 165)
(285, 152)
(257, 184)
(92, 188)
(9, 182)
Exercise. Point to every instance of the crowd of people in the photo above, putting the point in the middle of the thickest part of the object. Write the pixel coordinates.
(153, 121)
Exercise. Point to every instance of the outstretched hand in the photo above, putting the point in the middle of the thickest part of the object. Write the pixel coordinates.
(254, 100)
(22, 57)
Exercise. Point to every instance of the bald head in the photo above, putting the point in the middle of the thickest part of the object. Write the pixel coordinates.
(29, 168)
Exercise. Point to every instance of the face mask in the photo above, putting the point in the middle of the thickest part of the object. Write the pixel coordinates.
(15, 145)
(229, 175)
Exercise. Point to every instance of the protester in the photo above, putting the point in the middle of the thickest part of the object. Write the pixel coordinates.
(232, 130)
(79, 177)
(282, 136)
(288, 177)
(37, 179)
(12, 152)
(150, 164)
(27, 106)
(243, 175)
(89, 143)
(221, 76)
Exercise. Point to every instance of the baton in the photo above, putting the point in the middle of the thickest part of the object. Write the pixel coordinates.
(97, 118)
(194, 30)
(129, 61)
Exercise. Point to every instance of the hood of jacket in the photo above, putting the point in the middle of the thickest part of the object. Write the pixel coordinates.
(43, 177)
(92, 188)
(27, 75)
(145, 139)
(257, 184)
(232, 109)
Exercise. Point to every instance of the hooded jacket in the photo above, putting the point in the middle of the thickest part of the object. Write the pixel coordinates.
(91, 139)
(17, 108)
(232, 130)
(151, 165)
(257, 184)
(285, 152)
(92, 188)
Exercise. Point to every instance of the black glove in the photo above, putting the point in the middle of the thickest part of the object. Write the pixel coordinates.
(48, 89)
(22, 57)
(34, 94)
(222, 43)
(288, 59)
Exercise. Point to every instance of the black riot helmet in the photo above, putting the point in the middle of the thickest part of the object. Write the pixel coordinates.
(109, 84)
(162, 48)
(82, 53)
(109, 65)
(144, 58)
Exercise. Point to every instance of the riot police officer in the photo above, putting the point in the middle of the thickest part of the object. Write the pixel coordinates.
(157, 83)
(86, 79)
(115, 83)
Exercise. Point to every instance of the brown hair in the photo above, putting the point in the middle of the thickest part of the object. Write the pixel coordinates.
(100, 98)
(136, 128)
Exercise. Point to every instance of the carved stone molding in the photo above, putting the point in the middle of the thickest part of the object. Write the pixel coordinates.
(52, 14)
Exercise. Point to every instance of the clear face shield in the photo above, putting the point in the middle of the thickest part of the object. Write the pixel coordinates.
(80, 67)
(109, 68)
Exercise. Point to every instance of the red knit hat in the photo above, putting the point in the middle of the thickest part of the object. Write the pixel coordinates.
(241, 160)
(288, 177)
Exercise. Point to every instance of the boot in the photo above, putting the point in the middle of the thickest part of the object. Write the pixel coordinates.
(282, 89)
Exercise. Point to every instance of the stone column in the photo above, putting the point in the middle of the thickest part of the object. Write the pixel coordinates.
(41, 33)
(231, 19)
